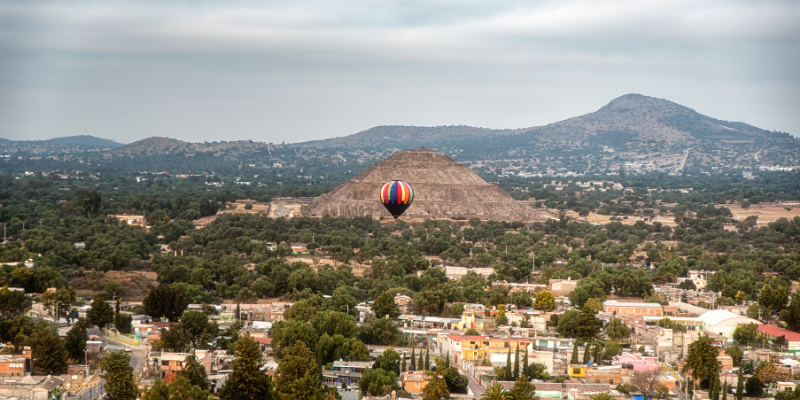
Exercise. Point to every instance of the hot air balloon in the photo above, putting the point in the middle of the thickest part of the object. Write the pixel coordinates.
(396, 196)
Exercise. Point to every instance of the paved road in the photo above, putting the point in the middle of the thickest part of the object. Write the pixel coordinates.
(137, 355)
(477, 390)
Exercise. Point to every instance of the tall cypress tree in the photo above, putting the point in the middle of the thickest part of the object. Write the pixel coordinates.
(724, 391)
(574, 359)
(427, 366)
(525, 368)
(516, 363)
(713, 390)
(740, 386)
(413, 360)
(596, 353)
(587, 354)
(447, 360)
(508, 365)
(403, 364)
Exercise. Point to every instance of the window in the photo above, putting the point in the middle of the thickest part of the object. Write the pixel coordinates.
(576, 371)
(505, 344)
(416, 384)
(165, 363)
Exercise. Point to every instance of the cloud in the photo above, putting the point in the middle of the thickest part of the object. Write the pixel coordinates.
(304, 70)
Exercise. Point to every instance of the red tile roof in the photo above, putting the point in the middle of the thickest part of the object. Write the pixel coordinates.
(775, 331)
(263, 340)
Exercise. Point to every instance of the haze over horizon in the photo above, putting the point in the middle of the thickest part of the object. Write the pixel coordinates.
(307, 70)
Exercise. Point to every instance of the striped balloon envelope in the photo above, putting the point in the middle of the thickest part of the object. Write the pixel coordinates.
(396, 196)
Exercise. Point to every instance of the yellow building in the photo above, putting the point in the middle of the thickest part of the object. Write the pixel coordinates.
(469, 321)
(577, 371)
(474, 347)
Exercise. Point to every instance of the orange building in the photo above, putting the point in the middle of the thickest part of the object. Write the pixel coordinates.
(633, 309)
(16, 365)
(173, 362)
(414, 381)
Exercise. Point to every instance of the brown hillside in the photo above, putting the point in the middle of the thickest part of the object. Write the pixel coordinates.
(442, 189)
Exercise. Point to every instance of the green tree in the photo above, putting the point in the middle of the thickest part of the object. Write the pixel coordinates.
(574, 359)
(746, 335)
(587, 354)
(101, 314)
(611, 349)
(740, 386)
(516, 363)
(119, 376)
(701, 359)
(378, 382)
(413, 360)
(568, 323)
(194, 323)
(617, 330)
(456, 383)
(51, 358)
(75, 342)
(384, 305)
(302, 310)
(285, 333)
(736, 353)
(88, 202)
(525, 366)
(588, 326)
(472, 331)
(545, 301)
(194, 372)
(791, 315)
(403, 364)
(523, 390)
(508, 364)
(165, 301)
(247, 380)
(436, 388)
(123, 323)
(774, 296)
(13, 303)
(501, 315)
(298, 377)
(379, 331)
(427, 365)
(753, 386)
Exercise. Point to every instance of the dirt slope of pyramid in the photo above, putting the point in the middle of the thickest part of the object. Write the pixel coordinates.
(443, 188)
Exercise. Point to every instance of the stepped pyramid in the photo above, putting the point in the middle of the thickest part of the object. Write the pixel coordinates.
(443, 188)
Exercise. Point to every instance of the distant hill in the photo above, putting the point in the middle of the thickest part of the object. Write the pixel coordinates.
(86, 140)
(69, 144)
(164, 146)
(632, 128)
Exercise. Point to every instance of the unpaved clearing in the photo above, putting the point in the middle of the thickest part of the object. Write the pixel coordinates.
(765, 213)
(136, 284)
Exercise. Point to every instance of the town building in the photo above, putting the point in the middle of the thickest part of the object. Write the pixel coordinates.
(403, 303)
(719, 322)
(173, 362)
(792, 338)
(625, 309)
(562, 287)
(13, 366)
(133, 220)
(414, 381)
(465, 348)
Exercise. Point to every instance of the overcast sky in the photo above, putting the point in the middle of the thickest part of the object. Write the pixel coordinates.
(301, 70)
